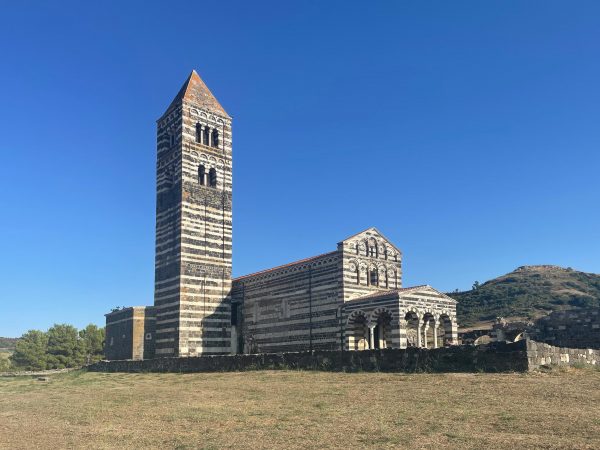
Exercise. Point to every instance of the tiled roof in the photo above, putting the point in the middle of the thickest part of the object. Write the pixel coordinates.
(284, 265)
(195, 91)
(388, 293)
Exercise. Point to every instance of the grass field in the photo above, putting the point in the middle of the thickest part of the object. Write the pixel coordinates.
(285, 409)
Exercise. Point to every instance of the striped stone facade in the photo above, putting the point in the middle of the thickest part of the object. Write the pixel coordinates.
(193, 225)
(350, 298)
(418, 316)
(290, 308)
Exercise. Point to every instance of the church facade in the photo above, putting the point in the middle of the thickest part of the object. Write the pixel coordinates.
(351, 298)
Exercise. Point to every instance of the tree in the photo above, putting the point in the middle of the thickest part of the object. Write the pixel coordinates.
(4, 364)
(476, 285)
(92, 340)
(64, 347)
(31, 351)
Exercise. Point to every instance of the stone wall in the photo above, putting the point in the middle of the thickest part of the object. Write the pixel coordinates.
(541, 354)
(574, 328)
(130, 333)
(494, 357)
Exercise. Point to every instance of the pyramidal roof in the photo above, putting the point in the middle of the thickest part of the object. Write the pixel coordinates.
(194, 90)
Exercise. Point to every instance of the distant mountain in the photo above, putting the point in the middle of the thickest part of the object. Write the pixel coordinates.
(8, 343)
(527, 293)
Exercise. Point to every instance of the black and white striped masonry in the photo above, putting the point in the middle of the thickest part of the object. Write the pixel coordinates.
(351, 298)
(193, 225)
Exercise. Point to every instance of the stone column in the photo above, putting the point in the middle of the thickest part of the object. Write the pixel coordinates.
(454, 332)
(209, 134)
(402, 340)
(371, 337)
(419, 337)
(435, 334)
(425, 328)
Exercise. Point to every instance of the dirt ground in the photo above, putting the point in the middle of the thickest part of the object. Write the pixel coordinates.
(288, 409)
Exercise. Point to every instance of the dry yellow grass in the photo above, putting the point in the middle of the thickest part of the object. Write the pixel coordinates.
(285, 409)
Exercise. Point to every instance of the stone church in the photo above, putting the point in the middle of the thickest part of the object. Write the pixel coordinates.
(351, 298)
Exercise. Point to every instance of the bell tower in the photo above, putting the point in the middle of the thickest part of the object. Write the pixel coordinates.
(193, 225)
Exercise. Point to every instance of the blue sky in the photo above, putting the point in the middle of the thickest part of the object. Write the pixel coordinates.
(467, 132)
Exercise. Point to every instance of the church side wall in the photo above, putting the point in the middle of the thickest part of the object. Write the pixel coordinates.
(293, 308)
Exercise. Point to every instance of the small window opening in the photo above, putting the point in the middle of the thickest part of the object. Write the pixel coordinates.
(215, 138)
(201, 174)
(373, 278)
(234, 314)
(212, 177)
(199, 133)
(206, 136)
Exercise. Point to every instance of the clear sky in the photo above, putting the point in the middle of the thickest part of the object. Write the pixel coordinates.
(467, 132)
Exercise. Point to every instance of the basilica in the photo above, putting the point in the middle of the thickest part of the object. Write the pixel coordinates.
(350, 298)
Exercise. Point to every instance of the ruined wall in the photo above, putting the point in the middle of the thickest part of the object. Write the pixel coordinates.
(542, 354)
(575, 328)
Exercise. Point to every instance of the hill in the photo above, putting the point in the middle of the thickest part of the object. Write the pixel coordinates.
(8, 344)
(527, 293)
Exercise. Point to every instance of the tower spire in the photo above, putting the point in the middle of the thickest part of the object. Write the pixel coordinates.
(195, 91)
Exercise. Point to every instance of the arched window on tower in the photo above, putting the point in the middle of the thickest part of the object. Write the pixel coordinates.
(172, 139)
(202, 175)
(199, 133)
(206, 136)
(215, 138)
(212, 177)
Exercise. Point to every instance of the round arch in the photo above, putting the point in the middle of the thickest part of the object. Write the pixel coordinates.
(357, 331)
